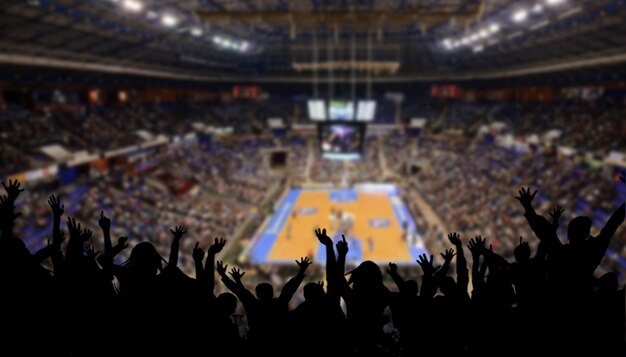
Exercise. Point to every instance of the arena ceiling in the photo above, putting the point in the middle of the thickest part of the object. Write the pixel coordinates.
(315, 40)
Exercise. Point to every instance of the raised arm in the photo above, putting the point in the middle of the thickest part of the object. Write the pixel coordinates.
(236, 286)
(429, 286)
(7, 205)
(393, 273)
(178, 233)
(477, 247)
(462, 274)
(292, 285)
(106, 258)
(198, 255)
(209, 266)
(543, 229)
(331, 262)
(57, 235)
(604, 238)
(78, 237)
(342, 252)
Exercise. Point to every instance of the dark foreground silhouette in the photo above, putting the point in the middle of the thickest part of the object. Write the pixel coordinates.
(545, 302)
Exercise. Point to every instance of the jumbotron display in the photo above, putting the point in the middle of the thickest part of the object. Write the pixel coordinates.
(342, 141)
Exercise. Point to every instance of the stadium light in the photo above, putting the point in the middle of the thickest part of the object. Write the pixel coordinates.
(493, 28)
(520, 15)
(554, 2)
(478, 48)
(484, 33)
(169, 20)
(196, 31)
(132, 5)
(537, 9)
(244, 46)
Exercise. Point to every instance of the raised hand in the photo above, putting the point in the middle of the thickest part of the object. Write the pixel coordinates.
(321, 284)
(13, 190)
(477, 246)
(454, 238)
(178, 232)
(221, 268)
(525, 197)
(86, 234)
(393, 268)
(427, 265)
(237, 274)
(556, 213)
(304, 263)
(73, 227)
(448, 255)
(342, 246)
(104, 222)
(198, 253)
(55, 204)
(91, 252)
(217, 246)
(323, 238)
(122, 243)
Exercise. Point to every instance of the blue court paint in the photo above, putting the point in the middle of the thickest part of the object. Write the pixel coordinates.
(268, 238)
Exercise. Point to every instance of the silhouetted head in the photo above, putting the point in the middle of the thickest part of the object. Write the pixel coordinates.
(522, 252)
(447, 286)
(227, 303)
(579, 229)
(313, 292)
(145, 258)
(264, 291)
(410, 287)
(367, 276)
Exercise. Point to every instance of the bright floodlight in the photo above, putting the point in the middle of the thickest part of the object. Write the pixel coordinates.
(244, 46)
(132, 5)
(554, 2)
(493, 28)
(537, 8)
(447, 43)
(169, 20)
(520, 15)
(196, 31)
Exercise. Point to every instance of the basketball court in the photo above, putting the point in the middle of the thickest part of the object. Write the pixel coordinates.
(375, 221)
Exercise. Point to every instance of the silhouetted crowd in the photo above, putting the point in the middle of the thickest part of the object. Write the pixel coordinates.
(546, 301)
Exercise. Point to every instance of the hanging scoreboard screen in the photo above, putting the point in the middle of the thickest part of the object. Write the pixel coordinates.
(317, 109)
(366, 110)
(340, 110)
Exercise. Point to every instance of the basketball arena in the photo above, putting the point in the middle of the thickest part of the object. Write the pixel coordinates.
(459, 154)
